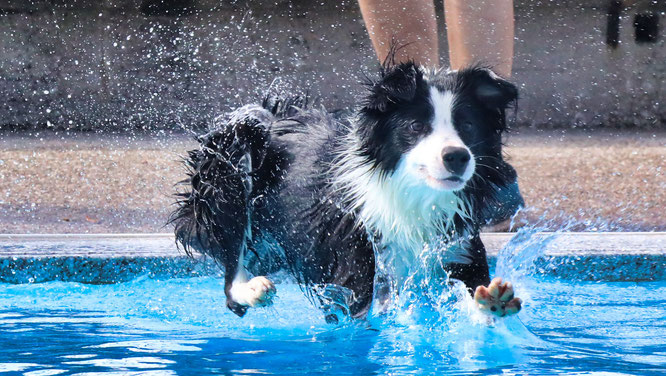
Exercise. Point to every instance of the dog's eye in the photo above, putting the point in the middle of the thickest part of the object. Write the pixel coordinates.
(416, 127)
(467, 126)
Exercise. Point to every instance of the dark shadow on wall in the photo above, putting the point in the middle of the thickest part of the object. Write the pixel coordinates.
(173, 8)
(168, 64)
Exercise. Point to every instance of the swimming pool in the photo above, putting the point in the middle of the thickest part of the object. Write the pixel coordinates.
(153, 324)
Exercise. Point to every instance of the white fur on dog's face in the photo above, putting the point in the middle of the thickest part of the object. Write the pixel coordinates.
(424, 161)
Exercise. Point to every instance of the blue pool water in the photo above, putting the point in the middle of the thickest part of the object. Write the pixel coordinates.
(180, 326)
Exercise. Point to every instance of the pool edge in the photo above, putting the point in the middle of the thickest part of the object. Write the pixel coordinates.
(559, 244)
(31, 258)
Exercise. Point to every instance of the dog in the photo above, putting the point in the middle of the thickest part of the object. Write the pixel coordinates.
(332, 200)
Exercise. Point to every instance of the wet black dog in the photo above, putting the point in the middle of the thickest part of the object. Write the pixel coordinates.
(418, 162)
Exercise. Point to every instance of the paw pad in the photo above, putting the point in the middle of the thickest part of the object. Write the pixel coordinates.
(497, 299)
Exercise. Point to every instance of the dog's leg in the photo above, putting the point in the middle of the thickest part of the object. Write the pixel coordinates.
(475, 273)
(347, 257)
(241, 292)
(498, 297)
(215, 217)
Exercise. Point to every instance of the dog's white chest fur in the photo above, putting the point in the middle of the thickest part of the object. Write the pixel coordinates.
(402, 215)
(409, 220)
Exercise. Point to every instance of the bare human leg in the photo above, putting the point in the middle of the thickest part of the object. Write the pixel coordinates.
(480, 31)
(409, 23)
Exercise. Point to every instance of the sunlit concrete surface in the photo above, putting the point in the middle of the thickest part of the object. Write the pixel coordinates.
(58, 182)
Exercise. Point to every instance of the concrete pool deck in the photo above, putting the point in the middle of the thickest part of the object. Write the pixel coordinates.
(50, 182)
(91, 206)
(110, 258)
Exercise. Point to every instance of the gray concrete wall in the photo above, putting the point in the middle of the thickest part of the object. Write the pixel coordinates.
(122, 64)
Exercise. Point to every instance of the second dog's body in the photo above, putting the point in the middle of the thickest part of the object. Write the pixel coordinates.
(419, 163)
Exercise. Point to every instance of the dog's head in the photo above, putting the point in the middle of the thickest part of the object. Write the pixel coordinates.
(438, 128)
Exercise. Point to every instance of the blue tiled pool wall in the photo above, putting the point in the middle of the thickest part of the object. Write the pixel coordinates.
(104, 270)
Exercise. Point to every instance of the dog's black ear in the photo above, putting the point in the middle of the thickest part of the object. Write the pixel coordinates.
(492, 90)
(397, 84)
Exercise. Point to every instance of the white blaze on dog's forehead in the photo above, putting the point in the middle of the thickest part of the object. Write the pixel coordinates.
(428, 151)
(442, 123)
(425, 158)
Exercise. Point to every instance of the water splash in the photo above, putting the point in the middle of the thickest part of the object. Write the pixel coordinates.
(434, 318)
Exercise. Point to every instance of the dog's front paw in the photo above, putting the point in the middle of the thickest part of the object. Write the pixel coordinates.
(497, 298)
(257, 292)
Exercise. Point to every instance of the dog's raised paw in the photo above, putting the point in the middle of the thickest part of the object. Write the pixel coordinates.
(257, 292)
(497, 299)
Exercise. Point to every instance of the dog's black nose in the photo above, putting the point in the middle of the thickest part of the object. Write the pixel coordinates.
(455, 159)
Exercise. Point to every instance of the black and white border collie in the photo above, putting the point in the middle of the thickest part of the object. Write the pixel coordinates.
(335, 201)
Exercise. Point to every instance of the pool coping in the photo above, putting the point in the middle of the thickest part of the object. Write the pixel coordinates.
(113, 258)
(163, 245)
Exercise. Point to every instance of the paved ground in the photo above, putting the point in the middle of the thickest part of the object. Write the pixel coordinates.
(85, 183)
